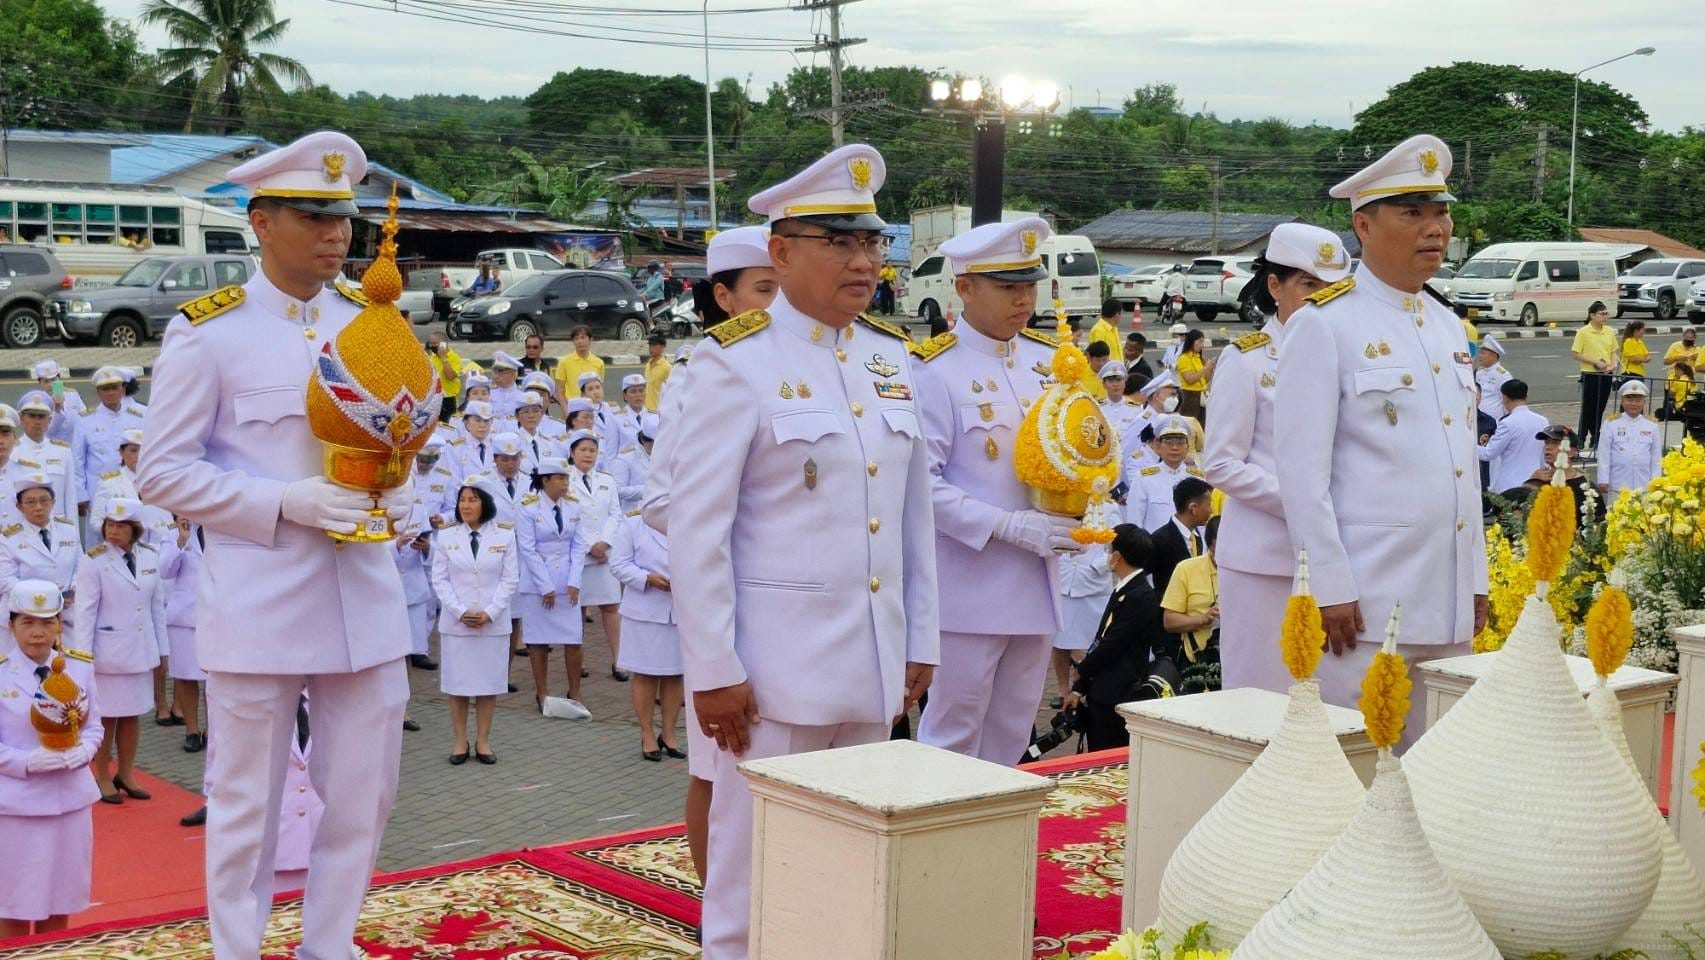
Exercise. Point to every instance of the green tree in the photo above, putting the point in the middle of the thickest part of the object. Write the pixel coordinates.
(218, 45)
(62, 63)
(560, 192)
(1153, 103)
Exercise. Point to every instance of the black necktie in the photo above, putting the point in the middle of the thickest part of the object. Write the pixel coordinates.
(46, 540)
(200, 538)
(586, 478)
(509, 484)
(130, 563)
(474, 542)
(535, 449)
(302, 723)
(42, 672)
(482, 452)
(556, 511)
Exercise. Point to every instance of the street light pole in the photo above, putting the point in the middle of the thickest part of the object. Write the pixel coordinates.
(1575, 120)
(709, 127)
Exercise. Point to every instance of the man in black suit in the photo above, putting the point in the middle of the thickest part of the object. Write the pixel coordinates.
(1180, 539)
(1124, 645)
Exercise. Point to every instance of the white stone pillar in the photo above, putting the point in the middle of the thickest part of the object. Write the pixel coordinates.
(892, 851)
(1685, 817)
(1186, 752)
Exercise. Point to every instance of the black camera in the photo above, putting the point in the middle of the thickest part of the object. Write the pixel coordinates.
(1061, 728)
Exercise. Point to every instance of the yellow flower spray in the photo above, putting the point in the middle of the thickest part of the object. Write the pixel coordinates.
(1385, 690)
(1610, 629)
(1302, 638)
(1551, 528)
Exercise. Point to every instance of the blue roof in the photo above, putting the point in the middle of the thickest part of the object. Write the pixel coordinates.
(657, 214)
(901, 249)
(163, 154)
(72, 136)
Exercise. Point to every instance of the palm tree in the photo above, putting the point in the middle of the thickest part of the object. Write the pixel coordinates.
(215, 50)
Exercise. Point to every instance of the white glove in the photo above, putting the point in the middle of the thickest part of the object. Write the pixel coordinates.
(399, 503)
(79, 756)
(43, 760)
(1040, 533)
(317, 502)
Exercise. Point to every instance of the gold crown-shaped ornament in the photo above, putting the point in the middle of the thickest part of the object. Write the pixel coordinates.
(373, 397)
(1067, 453)
(60, 708)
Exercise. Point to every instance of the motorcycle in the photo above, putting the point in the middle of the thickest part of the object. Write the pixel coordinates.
(676, 318)
(1172, 309)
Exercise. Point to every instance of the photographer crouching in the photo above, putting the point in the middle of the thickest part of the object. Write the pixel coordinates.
(1127, 660)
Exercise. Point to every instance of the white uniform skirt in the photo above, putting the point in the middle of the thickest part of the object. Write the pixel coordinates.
(421, 617)
(49, 861)
(124, 694)
(598, 586)
(561, 625)
(652, 649)
(181, 663)
(473, 666)
(1080, 618)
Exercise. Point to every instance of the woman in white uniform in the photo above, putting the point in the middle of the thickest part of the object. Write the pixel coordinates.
(475, 571)
(180, 564)
(634, 465)
(1255, 557)
(120, 612)
(41, 546)
(46, 829)
(552, 557)
(651, 647)
(600, 515)
(1085, 585)
(413, 544)
(603, 420)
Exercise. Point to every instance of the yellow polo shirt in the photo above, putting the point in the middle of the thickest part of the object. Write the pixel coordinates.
(656, 371)
(569, 369)
(1193, 589)
(1106, 332)
(1595, 345)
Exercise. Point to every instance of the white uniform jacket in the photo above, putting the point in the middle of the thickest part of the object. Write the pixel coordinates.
(221, 452)
(1378, 473)
(120, 617)
(802, 519)
(1085, 573)
(24, 557)
(96, 446)
(411, 563)
(630, 473)
(1631, 452)
(1149, 503)
(1516, 448)
(600, 505)
(637, 552)
(181, 566)
(1489, 380)
(551, 558)
(1240, 457)
(654, 503)
(58, 461)
(465, 582)
(973, 392)
(50, 792)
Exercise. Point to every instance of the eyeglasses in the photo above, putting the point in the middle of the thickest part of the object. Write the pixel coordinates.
(842, 246)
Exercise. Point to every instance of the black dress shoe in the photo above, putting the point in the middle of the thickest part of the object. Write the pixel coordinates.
(457, 759)
(486, 758)
(131, 791)
(196, 819)
(195, 743)
(514, 689)
(169, 720)
(584, 673)
(115, 797)
(410, 725)
(655, 756)
(675, 752)
(421, 661)
(620, 676)
(519, 653)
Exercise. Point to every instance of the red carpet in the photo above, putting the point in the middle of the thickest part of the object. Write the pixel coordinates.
(145, 864)
(628, 897)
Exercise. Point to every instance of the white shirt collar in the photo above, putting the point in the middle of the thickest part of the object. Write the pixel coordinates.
(260, 291)
(1127, 578)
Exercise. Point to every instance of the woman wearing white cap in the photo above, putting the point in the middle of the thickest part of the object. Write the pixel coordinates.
(600, 515)
(67, 404)
(475, 571)
(1632, 449)
(651, 646)
(1254, 554)
(40, 545)
(101, 427)
(119, 615)
(603, 418)
(634, 464)
(553, 553)
(628, 415)
(180, 565)
(472, 453)
(46, 830)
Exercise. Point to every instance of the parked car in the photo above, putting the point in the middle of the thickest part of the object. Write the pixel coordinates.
(1146, 285)
(1695, 302)
(29, 275)
(1533, 283)
(145, 298)
(421, 298)
(512, 263)
(1658, 287)
(1074, 278)
(1441, 282)
(1215, 284)
(552, 304)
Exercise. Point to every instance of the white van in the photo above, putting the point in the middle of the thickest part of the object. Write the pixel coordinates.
(1074, 278)
(1533, 283)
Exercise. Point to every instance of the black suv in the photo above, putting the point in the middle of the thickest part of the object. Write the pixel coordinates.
(552, 304)
(29, 275)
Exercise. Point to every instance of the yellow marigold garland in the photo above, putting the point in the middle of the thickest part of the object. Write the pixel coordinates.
(1385, 690)
(1550, 531)
(1302, 638)
(1610, 630)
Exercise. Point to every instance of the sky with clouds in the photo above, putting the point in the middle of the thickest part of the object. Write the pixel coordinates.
(1303, 60)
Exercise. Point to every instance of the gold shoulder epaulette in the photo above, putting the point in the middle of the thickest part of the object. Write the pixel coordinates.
(442, 470)
(203, 309)
(135, 411)
(1150, 471)
(1192, 471)
(883, 326)
(58, 442)
(351, 294)
(82, 655)
(1613, 416)
(1326, 295)
(65, 520)
(97, 550)
(13, 530)
(1254, 341)
(529, 499)
(90, 411)
(149, 546)
(110, 475)
(1039, 337)
(933, 347)
(735, 329)
(505, 525)
(456, 442)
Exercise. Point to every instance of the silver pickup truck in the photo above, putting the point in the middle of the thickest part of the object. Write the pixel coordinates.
(139, 305)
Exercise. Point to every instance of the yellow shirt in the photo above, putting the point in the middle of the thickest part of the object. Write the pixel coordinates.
(1595, 345)
(1634, 357)
(1193, 589)
(1105, 332)
(656, 371)
(889, 274)
(449, 370)
(1191, 363)
(1679, 351)
(569, 369)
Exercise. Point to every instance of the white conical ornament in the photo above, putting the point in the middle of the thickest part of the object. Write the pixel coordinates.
(1530, 810)
(1258, 840)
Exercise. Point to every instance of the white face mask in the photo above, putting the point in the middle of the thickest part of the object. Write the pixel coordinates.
(1169, 404)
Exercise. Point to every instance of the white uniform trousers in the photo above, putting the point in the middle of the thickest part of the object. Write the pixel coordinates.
(354, 763)
(725, 927)
(1252, 607)
(986, 691)
(422, 617)
(1341, 677)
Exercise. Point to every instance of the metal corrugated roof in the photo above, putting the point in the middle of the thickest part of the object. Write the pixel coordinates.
(449, 221)
(1629, 236)
(1180, 231)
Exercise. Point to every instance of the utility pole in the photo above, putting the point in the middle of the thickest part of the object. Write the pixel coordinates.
(1539, 164)
(833, 44)
(1468, 173)
(1214, 241)
(709, 130)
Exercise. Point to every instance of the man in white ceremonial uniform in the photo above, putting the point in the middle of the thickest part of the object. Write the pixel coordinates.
(1376, 431)
(120, 484)
(800, 496)
(536, 447)
(1253, 551)
(472, 452)
(9, 433)
(98, 431)
(1490, 374)
(1124, 413)
(1148, 503)
(629, 412)
(37, 452)
(999, 575)
(37, 545)
(1516, 446)
(67, 406)
(506, 394)
(541, 384)
(435, 484)
(508, 483)
(1632, 449)
(282, 608)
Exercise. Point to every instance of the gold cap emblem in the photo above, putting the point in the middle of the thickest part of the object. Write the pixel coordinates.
(40, 600)
(1429, 162)
(1028, 239)
(859, 167)
(333, 162)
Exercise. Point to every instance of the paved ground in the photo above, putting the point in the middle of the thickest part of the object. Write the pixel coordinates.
(555, 780)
